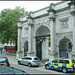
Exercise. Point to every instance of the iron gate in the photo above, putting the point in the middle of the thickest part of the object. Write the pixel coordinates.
(63, 53)
(39, 40)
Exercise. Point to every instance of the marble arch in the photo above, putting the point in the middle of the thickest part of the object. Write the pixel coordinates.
(59, 18)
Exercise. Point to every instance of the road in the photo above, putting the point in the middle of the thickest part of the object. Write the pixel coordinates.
(31, 70)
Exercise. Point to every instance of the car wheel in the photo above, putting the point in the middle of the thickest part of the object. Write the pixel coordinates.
(29, 65)
(19, 62)
(47, 67)
(64, 70)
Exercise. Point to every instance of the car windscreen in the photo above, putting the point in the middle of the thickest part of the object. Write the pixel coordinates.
(2, 60)
(64, 61)
(36, 58)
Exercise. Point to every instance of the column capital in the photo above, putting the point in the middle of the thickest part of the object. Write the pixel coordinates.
(30, 21)
(51, 11)
(30, 18)
(19, 25)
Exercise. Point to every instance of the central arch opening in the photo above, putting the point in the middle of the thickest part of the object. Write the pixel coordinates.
(42, 42)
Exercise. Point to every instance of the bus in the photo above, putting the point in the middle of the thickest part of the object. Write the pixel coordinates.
(9, 48)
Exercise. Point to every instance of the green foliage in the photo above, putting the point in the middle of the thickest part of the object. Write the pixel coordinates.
(8, 24)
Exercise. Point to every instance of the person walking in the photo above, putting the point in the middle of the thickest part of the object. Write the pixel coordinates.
(1, 51)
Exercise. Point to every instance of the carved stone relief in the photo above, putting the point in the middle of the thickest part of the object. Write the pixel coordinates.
(64, 23)
(40, 23)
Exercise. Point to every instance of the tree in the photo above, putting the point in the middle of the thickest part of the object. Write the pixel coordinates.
(8, 24)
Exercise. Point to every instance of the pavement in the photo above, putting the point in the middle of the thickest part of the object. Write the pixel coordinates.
(12, 57)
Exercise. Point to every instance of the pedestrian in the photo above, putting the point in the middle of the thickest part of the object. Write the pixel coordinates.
(1, 51)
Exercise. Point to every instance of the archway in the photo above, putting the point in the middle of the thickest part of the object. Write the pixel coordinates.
(64, 48)
(42, 46)
(25, 48)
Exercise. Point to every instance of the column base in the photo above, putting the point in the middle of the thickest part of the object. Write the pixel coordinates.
(30, 53)
(51, 55)
(19, 54)
(73, 55)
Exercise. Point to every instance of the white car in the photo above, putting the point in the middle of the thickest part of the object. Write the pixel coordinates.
(30, 61)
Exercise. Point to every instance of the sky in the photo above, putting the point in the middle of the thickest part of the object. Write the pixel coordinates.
(28, 5)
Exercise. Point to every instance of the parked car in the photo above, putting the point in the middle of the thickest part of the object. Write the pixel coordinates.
(4, 61)
(61, 64)
(11, 71)
(30, 61)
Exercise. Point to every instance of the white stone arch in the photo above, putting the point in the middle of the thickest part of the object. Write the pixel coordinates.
(44, 54)
(61, 38)
(47, 17)
(25, 47)
(24, 39)
(38, 26)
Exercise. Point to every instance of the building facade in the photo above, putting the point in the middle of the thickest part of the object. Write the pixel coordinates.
(56, 21)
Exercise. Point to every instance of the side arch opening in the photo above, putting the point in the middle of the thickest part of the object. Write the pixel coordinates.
(65, 48)
(25, 48)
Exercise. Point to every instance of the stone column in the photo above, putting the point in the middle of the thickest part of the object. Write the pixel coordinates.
(29, 39)
(72, 10)
(52, 21)
(73, 22)
(19, 52)
(30, 23)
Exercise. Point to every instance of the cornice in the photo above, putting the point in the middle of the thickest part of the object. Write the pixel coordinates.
(51, 10)
(40, 16)
(29, 16)
(72, 7)
(63, 9)
(22, 21)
